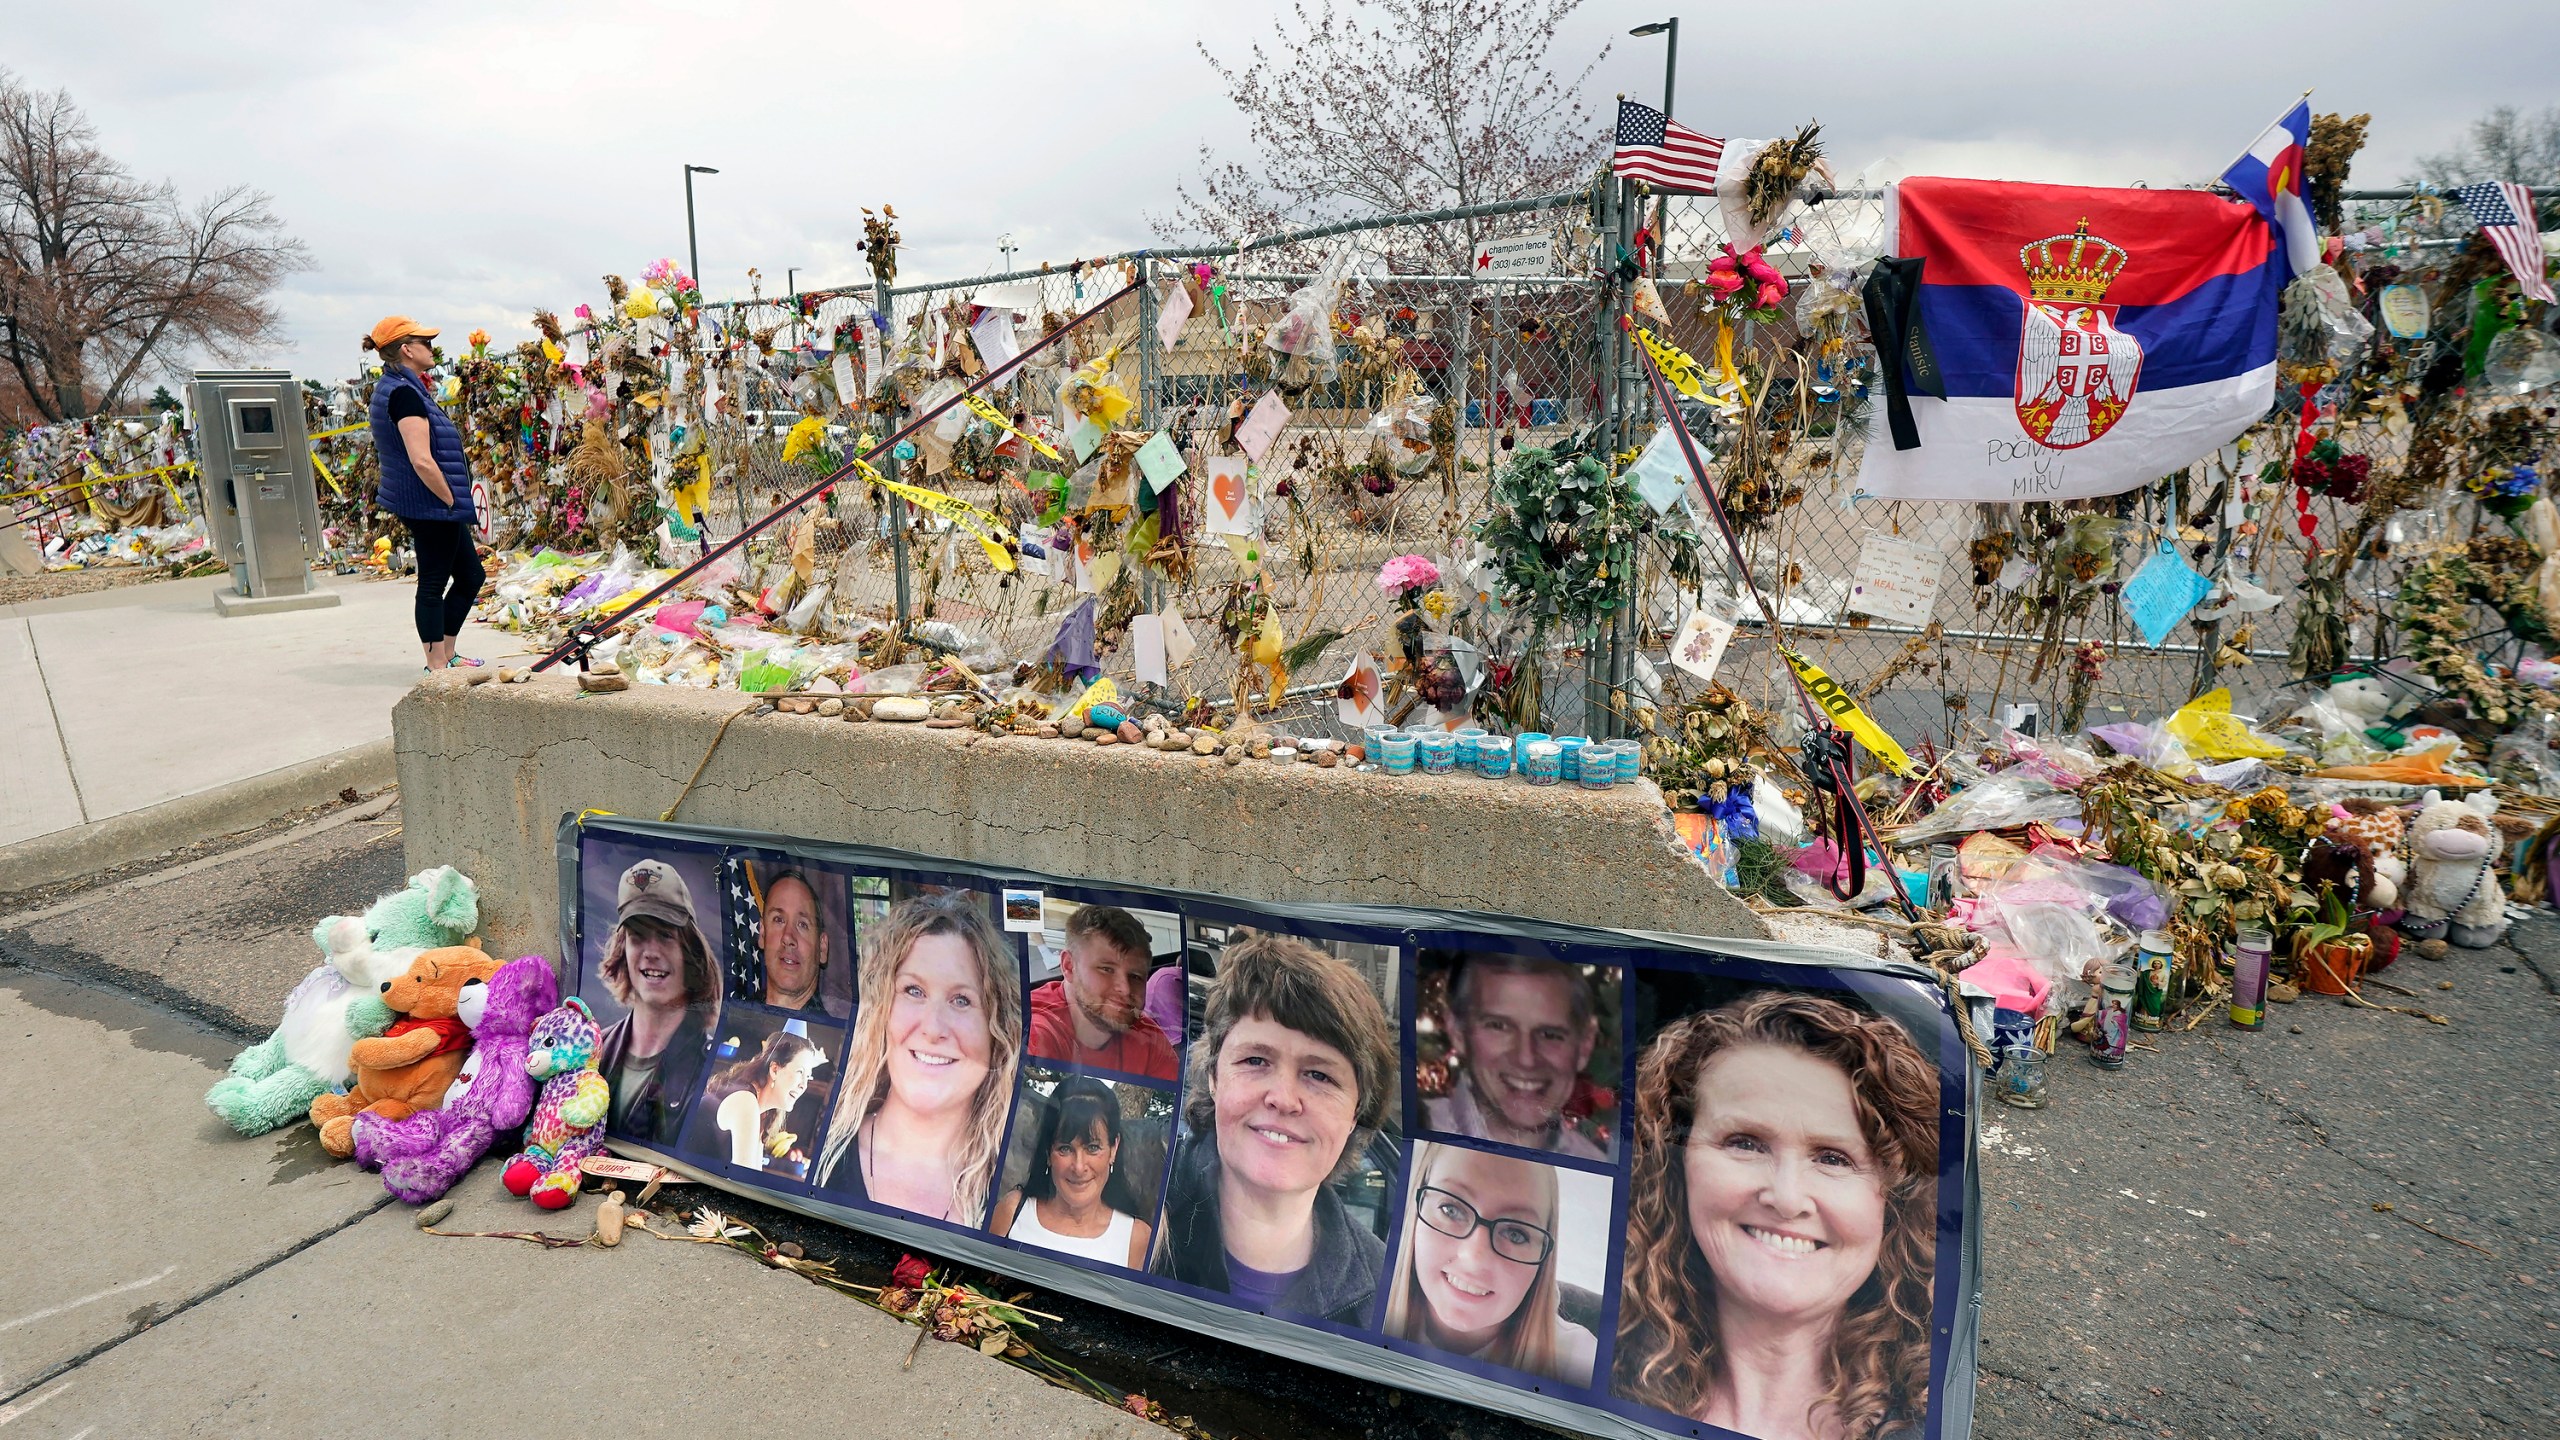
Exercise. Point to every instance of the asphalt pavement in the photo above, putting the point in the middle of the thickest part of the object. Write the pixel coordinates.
(2193, 1246)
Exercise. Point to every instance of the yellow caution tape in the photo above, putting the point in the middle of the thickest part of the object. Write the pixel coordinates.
(1844, 712)
(1676, 365)
(997, 418)
(156, 471)
(983, 527)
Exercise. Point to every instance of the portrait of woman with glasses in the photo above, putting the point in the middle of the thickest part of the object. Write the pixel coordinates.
(1478, 1275)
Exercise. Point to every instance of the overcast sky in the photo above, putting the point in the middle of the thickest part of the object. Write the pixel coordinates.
(465, 162)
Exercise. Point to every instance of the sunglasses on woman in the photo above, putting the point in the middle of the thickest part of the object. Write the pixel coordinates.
(1513, 1240)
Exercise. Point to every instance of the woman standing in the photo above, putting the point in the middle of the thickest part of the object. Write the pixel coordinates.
(1781, 1227)
(427, 483)
(752, 1097)
(1075, 1200)
(1477, 1277)
(937, 1035)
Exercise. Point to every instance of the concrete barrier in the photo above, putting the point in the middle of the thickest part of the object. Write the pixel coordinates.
(486, 772)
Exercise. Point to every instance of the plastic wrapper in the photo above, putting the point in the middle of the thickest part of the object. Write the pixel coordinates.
(1401, 433)
(1094, 392)
(1998, 803)
(895, 680)
(2057, 762)
(1305, 326)
(2150, 744)
(1781, 823)
(803, 617)
(2523, 757)
(2206, 726)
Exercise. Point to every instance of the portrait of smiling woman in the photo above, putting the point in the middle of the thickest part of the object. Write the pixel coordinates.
(1292, 1075)
(937, 1036)
(1480, 1272)
(1781, 1222)
(1077, 1196)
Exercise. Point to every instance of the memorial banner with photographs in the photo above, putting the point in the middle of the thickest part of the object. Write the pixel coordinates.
(1629, 1184)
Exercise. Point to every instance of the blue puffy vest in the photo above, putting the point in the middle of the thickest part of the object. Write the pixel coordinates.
(402, 492)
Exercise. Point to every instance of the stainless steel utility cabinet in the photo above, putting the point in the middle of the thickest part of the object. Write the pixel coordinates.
(256, 488)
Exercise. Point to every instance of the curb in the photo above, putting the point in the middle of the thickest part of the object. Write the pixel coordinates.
(159, 829)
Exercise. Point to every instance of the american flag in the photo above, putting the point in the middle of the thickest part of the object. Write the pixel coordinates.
(745, 905)
(1653, 146)
(2505, 212)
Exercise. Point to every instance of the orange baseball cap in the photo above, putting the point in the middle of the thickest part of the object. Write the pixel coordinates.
(396, 328)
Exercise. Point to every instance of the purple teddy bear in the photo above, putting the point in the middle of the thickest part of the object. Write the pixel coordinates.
(422, 1157)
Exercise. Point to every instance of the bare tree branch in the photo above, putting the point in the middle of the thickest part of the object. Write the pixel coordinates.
(1378, 107)
(104, 274)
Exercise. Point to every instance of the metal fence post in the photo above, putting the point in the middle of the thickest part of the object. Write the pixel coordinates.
(889, 467)
(1150, 380)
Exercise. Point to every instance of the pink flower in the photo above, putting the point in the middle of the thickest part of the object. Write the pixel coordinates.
(585, 313)
(1407, 572)
(1725, 283)
(1771, 293)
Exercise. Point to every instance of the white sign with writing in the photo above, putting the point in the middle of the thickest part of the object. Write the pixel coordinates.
(1897, 580)
(1515, 255)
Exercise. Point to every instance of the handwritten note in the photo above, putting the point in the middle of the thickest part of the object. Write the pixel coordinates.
(1897, 580)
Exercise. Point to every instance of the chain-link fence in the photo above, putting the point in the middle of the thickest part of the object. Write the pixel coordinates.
(1454, 343)
(2027, 625)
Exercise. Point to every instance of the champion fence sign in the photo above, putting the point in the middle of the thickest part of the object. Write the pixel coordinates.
(1581, 1175)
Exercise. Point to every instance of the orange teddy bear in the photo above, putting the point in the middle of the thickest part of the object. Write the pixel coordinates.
(410, 1067)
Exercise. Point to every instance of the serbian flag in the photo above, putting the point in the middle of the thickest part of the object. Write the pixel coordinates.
(2088, 340)
(2269, 177)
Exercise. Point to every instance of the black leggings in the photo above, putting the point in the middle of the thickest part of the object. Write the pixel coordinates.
(449, 576)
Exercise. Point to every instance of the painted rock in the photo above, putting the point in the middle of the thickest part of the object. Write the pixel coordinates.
(903, 708)
(1109, 717)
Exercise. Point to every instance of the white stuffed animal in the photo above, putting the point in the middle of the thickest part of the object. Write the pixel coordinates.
(2343, 713)
(2453, 888)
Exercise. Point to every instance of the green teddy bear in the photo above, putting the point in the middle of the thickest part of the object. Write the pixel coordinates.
(273, 1082)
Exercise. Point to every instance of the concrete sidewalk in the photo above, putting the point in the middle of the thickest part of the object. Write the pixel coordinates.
(120, 700)
(204, 1283)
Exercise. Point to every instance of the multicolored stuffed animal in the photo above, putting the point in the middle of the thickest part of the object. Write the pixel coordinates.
(273, 1082)
(423, 1156)
(409, 1067)
(568, 1122)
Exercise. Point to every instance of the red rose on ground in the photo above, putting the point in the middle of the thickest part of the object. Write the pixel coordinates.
(910, 1272)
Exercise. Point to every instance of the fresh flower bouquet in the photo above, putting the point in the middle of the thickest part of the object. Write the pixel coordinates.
(1746, 286)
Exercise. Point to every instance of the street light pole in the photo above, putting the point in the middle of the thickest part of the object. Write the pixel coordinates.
(692, 248)
(1670, 31)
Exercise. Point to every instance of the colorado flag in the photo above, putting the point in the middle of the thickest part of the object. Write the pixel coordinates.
(2090, 340)
(2269, 177)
